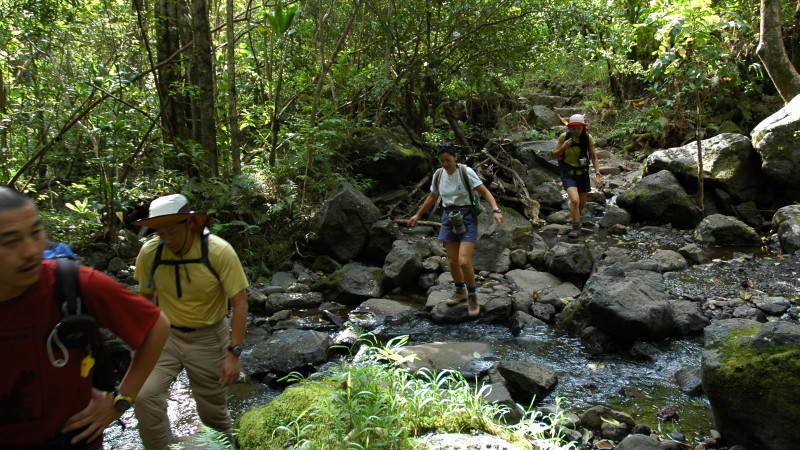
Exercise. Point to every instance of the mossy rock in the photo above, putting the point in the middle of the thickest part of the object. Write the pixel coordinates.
(751, 374)
(258, 427)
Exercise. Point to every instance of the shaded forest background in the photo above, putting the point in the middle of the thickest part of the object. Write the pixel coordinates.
(253, 108)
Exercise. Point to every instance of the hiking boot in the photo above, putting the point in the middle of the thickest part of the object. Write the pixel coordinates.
(576, 232)
(458, 296)
(473, 308)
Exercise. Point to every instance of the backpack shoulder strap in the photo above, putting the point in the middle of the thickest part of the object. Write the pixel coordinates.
(156, 262)
(470, 192)
(67, 286)
(204, 253)
(437, 176)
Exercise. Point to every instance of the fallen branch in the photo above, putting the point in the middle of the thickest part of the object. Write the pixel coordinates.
(421, 222)
(532, 205)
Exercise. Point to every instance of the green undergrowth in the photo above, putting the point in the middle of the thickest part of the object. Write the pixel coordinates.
(372, 402)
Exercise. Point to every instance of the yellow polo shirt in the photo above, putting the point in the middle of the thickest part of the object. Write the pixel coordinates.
(204, 299)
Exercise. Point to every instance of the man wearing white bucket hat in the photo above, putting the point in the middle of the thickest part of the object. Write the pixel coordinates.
(574, 150)
(193, 276)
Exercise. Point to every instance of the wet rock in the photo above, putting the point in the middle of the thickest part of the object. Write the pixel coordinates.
(376, 312)
(750, 371)
(659, 197)
(629, 303)
(638, 442)
(538, 154)
(498, 394)
(438, 356)
(532, 281)
(593, 417)
(519, 258)
(690, 380)
(597, 341)
(558, 296)
(353, 283)
(543, 311)
(668, 413)
(694, 253)
(644, 351)
(787, 223)
(287, 351)
(774, 306)
(291, 301)
(453, 440)
(521, 322)
(614, 432)
(492, 252)
(688, 317)
(527, 381)
(669, 260)
(615, 215)
(570, 260)
(749, 312)
(725, 230)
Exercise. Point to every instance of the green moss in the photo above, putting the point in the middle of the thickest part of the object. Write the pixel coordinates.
(258, 428)
(332, 282)
(770, 373)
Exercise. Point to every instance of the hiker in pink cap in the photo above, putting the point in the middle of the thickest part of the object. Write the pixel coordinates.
(574, 150)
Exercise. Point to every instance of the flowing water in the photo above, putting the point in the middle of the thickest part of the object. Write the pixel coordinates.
(638, 386)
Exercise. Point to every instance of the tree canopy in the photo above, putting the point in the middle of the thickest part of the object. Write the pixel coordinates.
(250, 105)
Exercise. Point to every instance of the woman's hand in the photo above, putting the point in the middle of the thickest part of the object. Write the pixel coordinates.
(598, 180)
(498, 218)
(412, 222)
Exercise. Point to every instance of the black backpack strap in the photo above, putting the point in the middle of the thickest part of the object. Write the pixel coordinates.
(68, 287)
(470, 190)
(156, 262)
(204, 253)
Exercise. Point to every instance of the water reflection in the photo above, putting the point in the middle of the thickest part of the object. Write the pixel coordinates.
(183, 412)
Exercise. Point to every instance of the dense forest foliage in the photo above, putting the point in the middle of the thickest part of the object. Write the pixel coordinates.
(250, 107)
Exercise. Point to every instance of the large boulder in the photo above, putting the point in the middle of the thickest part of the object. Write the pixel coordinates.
(718, 229)
(630, 301)
(352, 284)
(286, 351)
(538, 154)
(729, 161)
(751, 375)
(775, 139)
(388, 156)
(493, 249)
(342, 226)
(659, 197)
(786, 222)
(403, 264)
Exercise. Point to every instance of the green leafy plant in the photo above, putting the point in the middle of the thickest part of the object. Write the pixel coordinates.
(376, 403)
(208, 438)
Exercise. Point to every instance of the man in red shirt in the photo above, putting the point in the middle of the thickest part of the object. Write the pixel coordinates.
(46, 396)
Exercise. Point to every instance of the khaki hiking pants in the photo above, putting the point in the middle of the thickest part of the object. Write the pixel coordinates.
(201, 352)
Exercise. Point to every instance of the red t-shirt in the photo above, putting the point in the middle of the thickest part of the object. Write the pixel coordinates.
(37, 398)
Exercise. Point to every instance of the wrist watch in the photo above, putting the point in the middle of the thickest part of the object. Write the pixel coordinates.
(236, 350)
(497, 210)
(122, 402)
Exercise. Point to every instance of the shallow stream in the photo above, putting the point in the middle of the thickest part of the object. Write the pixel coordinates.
(620, 381)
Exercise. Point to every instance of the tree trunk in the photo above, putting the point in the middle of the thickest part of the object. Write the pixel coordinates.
(233, 111)
(773, 53)
(205, 123)
(4, 174)
(170, 16)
